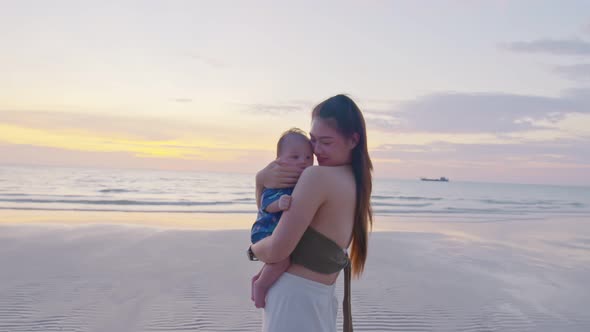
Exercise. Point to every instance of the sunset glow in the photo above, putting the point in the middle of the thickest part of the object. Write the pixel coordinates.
(211, 85)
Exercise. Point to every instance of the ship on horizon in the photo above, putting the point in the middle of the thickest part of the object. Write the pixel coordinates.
(441, 179)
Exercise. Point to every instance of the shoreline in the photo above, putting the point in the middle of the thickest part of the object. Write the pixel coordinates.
(243, 221)
(555, 236)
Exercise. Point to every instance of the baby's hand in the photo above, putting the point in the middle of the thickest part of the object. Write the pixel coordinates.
(284, 202)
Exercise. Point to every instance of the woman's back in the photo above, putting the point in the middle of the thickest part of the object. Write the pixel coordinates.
(335, 216)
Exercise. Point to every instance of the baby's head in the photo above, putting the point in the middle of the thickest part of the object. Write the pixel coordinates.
(294, 148)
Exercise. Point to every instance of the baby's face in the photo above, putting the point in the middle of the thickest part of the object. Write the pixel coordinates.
(297, 153)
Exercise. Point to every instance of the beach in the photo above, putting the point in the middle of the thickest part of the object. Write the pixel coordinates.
(135, 136)
(130, 272)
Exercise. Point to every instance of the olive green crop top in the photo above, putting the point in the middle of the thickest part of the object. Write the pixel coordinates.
(321, 254)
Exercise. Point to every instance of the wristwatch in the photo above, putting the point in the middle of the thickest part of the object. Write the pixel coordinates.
(250, 254)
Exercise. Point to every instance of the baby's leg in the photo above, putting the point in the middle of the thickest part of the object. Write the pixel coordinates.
(268, 276)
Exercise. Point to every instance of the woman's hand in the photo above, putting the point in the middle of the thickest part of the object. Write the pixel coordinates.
(278, 175)
(309, 194)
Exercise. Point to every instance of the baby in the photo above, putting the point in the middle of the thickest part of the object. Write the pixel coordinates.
(294, 149)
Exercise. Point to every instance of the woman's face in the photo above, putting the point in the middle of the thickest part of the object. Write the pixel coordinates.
(329, 146)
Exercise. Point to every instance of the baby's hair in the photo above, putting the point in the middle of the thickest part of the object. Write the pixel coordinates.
(290, 132)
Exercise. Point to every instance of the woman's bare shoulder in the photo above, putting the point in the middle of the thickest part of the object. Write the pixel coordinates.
(325, 174)
(312, 173)
(319, 171)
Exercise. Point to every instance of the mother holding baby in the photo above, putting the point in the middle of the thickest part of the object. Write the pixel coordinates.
(330, 210)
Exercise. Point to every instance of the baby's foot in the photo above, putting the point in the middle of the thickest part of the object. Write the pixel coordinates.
(252, 288)
(259, 294)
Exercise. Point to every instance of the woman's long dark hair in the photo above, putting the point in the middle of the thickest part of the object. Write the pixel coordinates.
(348, 121)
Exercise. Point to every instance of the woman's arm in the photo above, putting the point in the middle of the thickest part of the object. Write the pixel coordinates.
(276, 175)
(308, 196)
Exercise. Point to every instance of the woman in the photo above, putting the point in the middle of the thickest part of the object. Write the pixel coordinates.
(330, 210)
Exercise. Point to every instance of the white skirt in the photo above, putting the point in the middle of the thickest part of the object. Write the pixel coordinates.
(297, 304)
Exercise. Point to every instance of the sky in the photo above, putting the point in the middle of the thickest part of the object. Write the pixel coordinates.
(494, 91)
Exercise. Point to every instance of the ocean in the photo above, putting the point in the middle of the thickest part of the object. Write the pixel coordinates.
(116, 190)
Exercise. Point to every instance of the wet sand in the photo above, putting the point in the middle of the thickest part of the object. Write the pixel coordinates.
(130, 272)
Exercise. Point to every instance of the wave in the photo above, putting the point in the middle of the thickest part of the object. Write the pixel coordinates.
(171, 203)
(484, 214)
(126, 211)
(504, 202)
(379, 206)
(470, 211)
(412, 198)
(41, 195)
(117, 202)
(445, 211)
(245, 200)
(116, 191)
(401, 205)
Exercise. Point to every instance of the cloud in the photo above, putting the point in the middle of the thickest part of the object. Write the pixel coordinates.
(481, 112)
(577, 72)
(133, 128)
(152, 137)
(276, 109)
(212, 62)
(560, 151)
(551, 46)
(560, 47)
(24, 154)
(182, 100)
(580, 96)
(118, 125)
(383, 121)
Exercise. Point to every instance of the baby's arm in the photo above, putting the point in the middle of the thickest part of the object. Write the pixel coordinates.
(281, 204)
